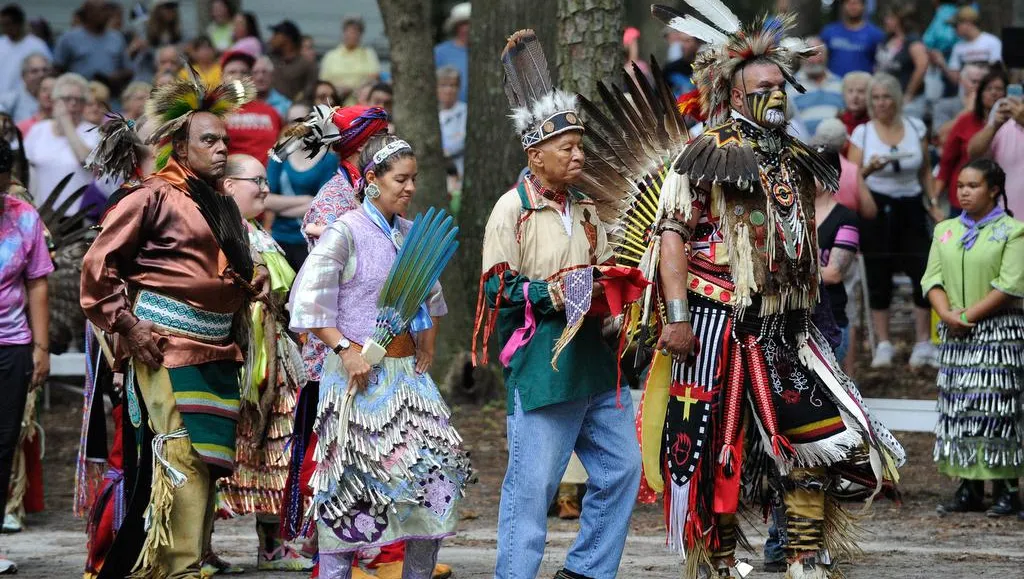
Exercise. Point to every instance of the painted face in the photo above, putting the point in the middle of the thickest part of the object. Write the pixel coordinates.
(768, 108)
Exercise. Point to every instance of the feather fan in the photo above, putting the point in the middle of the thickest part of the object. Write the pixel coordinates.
(425, 253)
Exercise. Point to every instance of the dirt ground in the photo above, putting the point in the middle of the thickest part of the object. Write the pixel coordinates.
(900, 541)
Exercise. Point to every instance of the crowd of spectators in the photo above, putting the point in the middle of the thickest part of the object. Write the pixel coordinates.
(915, 108)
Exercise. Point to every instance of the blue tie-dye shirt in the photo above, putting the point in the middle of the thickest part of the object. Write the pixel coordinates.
(23, 256)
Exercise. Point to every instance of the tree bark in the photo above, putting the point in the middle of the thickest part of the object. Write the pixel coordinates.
(494, 159)
(415, 107)
(589, 43)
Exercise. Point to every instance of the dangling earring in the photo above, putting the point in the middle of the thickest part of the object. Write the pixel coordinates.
(372, 191)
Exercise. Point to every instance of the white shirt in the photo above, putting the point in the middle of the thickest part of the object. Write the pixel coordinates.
(11, 55)
(985, 48)
(887, 181)
(50, 159)
(453, 133)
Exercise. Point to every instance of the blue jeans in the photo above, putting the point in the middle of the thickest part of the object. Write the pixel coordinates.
(844, 344)
(540, 443)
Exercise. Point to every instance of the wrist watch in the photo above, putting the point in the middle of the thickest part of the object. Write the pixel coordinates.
(341, 346)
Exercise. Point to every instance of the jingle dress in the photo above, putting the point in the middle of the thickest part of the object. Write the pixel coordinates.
(980, 433)
(389, 463)
(262, 461)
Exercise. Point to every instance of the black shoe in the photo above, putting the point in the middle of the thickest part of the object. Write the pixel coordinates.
(1007, 500)
(778, 566)
(968, 498)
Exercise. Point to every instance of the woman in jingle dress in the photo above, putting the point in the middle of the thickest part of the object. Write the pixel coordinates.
(975, 281)
(270, 386)
(393, 471)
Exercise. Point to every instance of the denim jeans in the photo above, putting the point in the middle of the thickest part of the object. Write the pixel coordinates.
(844, 344)
(539, 445)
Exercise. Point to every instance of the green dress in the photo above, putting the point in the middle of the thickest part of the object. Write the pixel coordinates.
(980, 433)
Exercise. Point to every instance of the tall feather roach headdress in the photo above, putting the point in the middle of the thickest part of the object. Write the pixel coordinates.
(731, 45)
(539, 111)
(172, 105)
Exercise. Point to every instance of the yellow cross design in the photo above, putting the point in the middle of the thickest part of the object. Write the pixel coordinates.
(688, 400)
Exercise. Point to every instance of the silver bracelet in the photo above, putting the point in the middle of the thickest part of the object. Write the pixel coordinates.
(677, 311)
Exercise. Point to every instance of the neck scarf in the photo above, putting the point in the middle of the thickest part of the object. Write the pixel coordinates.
(422, 320)
(974, 227)
(556, 196)
(351, 173)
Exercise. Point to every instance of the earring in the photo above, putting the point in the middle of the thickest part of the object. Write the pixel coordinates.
(372, 191)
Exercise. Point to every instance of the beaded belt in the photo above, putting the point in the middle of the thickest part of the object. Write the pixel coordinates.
(182, 319)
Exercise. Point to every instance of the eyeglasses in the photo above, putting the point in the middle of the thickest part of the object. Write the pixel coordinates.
(260, 182)
(71, 99)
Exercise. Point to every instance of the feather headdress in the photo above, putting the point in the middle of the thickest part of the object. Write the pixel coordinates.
(539, 111)
(172, 105)
(731, 45)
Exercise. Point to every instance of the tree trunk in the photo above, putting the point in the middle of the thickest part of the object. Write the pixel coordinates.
(495, 156)
(415, 108)
(589, 43)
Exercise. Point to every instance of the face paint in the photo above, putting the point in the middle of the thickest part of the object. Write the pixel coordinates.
(768, 108)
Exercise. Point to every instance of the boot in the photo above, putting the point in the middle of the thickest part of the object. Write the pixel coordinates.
(1007, 499)
(968, 498)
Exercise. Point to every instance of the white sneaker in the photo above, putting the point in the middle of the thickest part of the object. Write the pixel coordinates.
(7, 567)
(883, 355)
(12, 523)
(923, 353)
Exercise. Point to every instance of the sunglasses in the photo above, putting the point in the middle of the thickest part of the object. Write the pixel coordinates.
(260, 182)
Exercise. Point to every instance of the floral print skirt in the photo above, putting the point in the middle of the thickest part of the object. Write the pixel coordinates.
(389, 463)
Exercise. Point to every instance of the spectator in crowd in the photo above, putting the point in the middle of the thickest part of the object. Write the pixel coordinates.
(453, 115)
(455, 51)
(974, 45)
(940, 36)
(631, 50)
(24, 319)
(824, 96)
(295, 182)
(350, 65)
(45, 99)
(58, 146)
(904, 56)
(16, 45)
(246, 34)
(854, 196)
(892, 153)
(838, 238)
(975, 279)
(263, 78)
(254, 128)
(294, 76)
(1002, 138)
(133, 99)
(163, 27)
(855, 100)
(168, 59)
(852, 41)
(222, 25)
(23, 102)
(97, 103)
(947, 109)
(992, 89)
(381, 95)
(40, 28)
(308, 49)
(326, 94)
(679, 71)
(92, 50)
(203, 58)
(165, 78)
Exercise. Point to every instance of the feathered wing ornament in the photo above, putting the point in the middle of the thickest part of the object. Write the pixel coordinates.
(119, 152)
(425, 253)
(311, 134)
